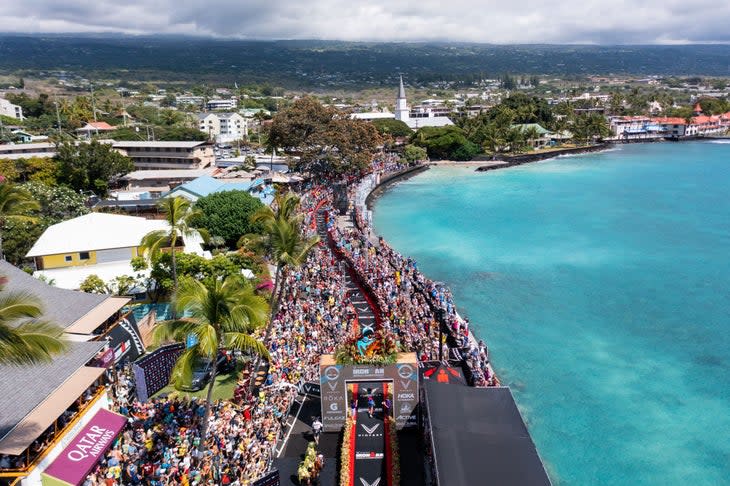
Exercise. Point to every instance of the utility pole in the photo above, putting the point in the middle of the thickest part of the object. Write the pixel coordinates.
(58, 119)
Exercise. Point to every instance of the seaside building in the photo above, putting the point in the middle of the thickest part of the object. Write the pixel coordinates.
(43, 407)
(223, 127)
(206, 185)
(99, 244)
(424, 115)
(168, 155)
(10, 110)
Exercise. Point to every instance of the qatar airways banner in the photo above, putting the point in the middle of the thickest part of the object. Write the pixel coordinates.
(85, 450)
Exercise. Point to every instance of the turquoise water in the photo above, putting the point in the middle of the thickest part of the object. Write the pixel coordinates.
(601, 284)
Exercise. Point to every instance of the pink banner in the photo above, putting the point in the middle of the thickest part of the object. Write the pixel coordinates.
(87, 448)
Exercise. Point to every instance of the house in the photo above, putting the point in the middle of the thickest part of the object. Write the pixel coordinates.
(99, 244)
(94, 128)
(221, 104)
(223, 127)
(543, 136)
(43, 406)
(167, 155)
(705, 125)
(10, 110)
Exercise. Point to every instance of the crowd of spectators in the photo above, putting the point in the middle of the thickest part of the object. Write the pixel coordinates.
(161, 444)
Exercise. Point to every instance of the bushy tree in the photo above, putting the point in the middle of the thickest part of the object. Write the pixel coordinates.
(90, 166)
(56, 204)
(447, 143)
(394, 128)
(328, 142)
(226, 214)
(414, 153)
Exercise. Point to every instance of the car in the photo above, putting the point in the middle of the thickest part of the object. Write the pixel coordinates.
(203, 370)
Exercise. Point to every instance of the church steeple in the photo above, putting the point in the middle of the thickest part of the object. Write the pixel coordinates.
(401, 105)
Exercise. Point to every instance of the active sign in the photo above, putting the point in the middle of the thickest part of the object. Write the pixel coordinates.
(85, 450)
(401, 376)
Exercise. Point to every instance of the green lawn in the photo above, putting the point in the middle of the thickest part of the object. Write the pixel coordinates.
(223, 389)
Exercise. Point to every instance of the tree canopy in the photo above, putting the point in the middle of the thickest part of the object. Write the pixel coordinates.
(90, 166)
(226, 214)
(392, 127)
(328, 142)
(448, 143)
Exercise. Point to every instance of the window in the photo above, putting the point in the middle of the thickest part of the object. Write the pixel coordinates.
(68, 258)
(84, 255)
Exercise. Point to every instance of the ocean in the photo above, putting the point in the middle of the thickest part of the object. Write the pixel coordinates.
(601, 284)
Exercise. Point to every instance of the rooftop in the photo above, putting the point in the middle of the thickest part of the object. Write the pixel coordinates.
(140, 175)
(22, 389)
(94, 231)
(163, 144)
(206, 185)
(62, 307)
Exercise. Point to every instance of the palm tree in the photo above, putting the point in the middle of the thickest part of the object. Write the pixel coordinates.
(25, 338)
(15, 206)
(179, 215)
(283, 241)
(220, 314)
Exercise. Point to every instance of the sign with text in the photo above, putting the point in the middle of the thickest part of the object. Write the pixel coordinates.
(401, 376)
(86, 449)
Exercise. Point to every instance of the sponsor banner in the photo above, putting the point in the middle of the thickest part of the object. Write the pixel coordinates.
(369, 455)
(402, 379)
(87, 448)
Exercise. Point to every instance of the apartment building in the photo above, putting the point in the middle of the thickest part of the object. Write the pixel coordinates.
(223, 127)
(167, 155)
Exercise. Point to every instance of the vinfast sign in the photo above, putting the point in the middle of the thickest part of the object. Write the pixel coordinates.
(85, 450)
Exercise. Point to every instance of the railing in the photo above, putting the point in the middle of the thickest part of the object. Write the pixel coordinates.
(31, 463)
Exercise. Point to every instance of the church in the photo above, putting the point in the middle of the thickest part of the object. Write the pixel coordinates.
(415, 119)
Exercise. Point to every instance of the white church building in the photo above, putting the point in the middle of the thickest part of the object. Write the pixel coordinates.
(415, 119)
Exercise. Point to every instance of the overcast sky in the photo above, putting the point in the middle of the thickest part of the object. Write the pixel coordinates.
(494, 21)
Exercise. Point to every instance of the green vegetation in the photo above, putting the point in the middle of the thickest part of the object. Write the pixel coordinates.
(223, 389)
(227, 214)
(447, 143)
(179, 215)
(328, 142)
(90, 166)
(55, 204)
(393, 128)
(16, 206)
(25, 338)
(222, 314)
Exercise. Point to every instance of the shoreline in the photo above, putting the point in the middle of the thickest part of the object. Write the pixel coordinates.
(515, 160)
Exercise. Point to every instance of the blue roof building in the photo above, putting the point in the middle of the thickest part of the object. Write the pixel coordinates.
(206, 185)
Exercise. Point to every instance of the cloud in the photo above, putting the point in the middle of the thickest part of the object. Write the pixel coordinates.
(493, 21)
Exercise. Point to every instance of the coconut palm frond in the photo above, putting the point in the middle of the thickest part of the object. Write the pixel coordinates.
(30, 342)
(182, 372)
(18, 305)
(176, 330)
(246, 343)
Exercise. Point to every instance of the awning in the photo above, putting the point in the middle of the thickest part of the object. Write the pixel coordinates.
(96, 316)
(85, 450)
(43, 416)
